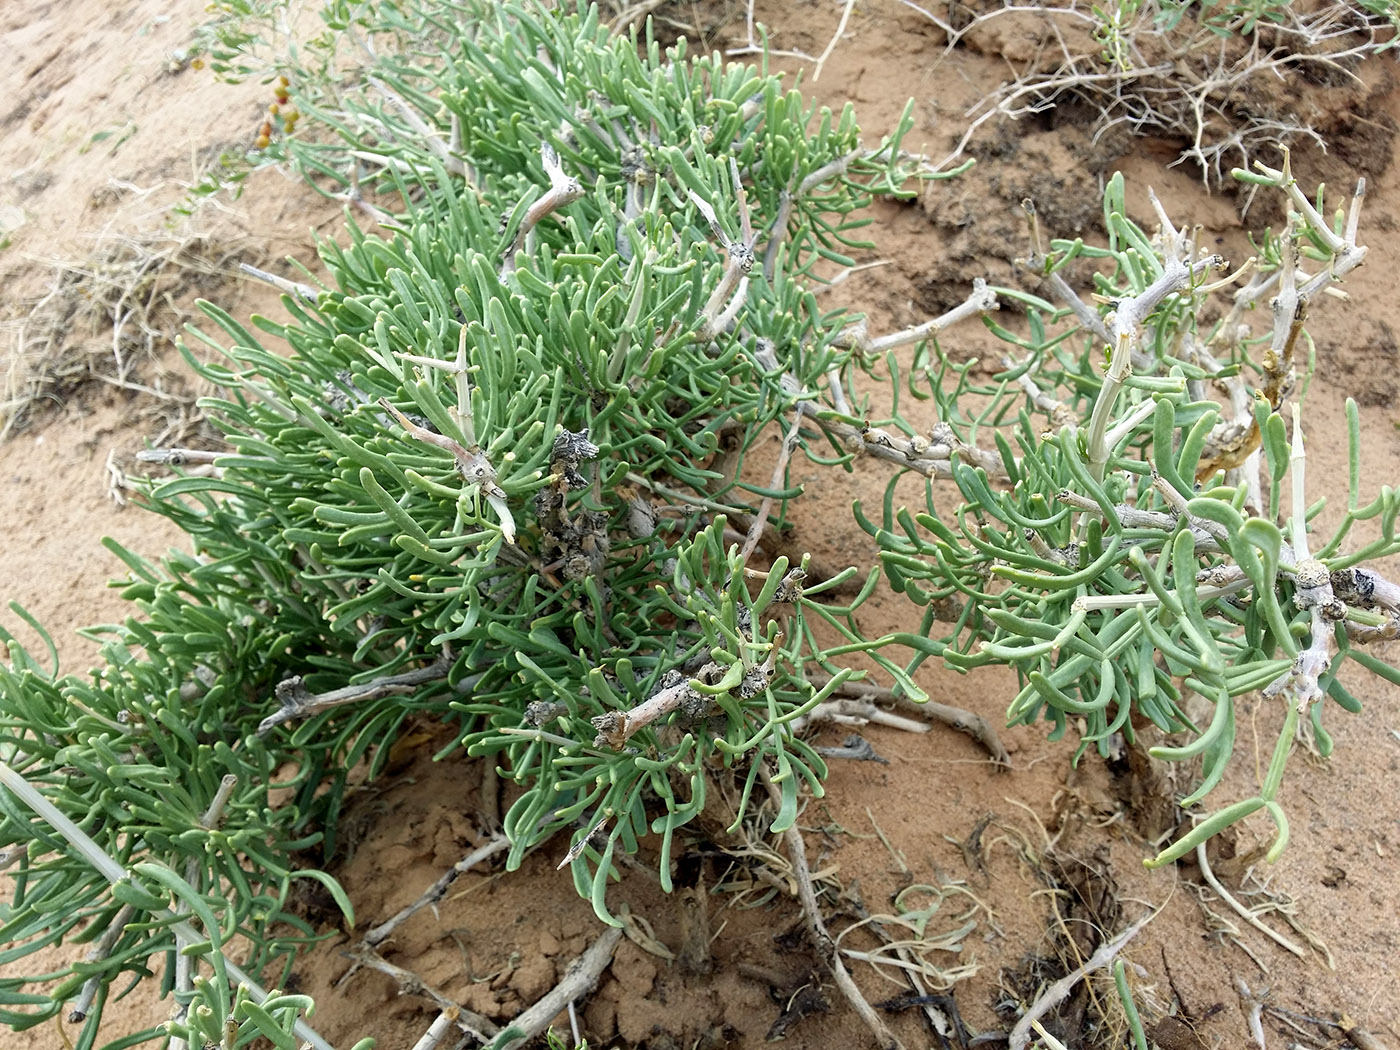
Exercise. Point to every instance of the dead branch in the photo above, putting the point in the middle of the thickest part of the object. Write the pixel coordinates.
(434, 893)
(1057, 992)
(579, 980)
(790, 442)
(853, 712)
(437, 1031)
(964, 721)
(1361, 1038)
(483, 1029)
(822, 940)
(299, 702)
(835, 39)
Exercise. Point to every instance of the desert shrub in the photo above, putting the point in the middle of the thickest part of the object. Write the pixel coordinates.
(494, 472)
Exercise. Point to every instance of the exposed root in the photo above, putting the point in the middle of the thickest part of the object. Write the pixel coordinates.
(1271, 901)
(1238, 908)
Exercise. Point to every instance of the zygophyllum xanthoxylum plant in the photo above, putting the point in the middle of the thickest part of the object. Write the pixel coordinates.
(499, 478)
(491, 469)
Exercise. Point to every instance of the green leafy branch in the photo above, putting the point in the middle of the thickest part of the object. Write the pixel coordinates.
(1126, 558)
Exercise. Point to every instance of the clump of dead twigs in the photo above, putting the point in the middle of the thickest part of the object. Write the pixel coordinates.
(1209, 77)
(111, 318)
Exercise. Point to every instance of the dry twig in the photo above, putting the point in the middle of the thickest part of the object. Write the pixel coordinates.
(822, 940)
(483, 1029)
(835, 39)
(1056, 993)
(964, 721)
(579, 980)
(298, 702)
(434, 893)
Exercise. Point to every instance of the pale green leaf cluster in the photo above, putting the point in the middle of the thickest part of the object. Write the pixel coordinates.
(1117, 593)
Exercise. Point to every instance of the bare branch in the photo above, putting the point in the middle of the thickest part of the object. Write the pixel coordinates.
(822, 940)
(293, 288)
(974, 725)
(483, 1029)
(1056, 993)
(298, 702)
(760, 519)
(434, 893)
(579, 980)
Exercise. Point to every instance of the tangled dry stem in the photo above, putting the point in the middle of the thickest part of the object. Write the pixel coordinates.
(111, 318)
(1052, 996)
(1187, 81)
(822, 941)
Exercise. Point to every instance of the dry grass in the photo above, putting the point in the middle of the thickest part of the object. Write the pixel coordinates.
(1224, 92)
(111, 319)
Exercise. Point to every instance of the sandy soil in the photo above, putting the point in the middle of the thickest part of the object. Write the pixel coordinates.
(105, 130)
